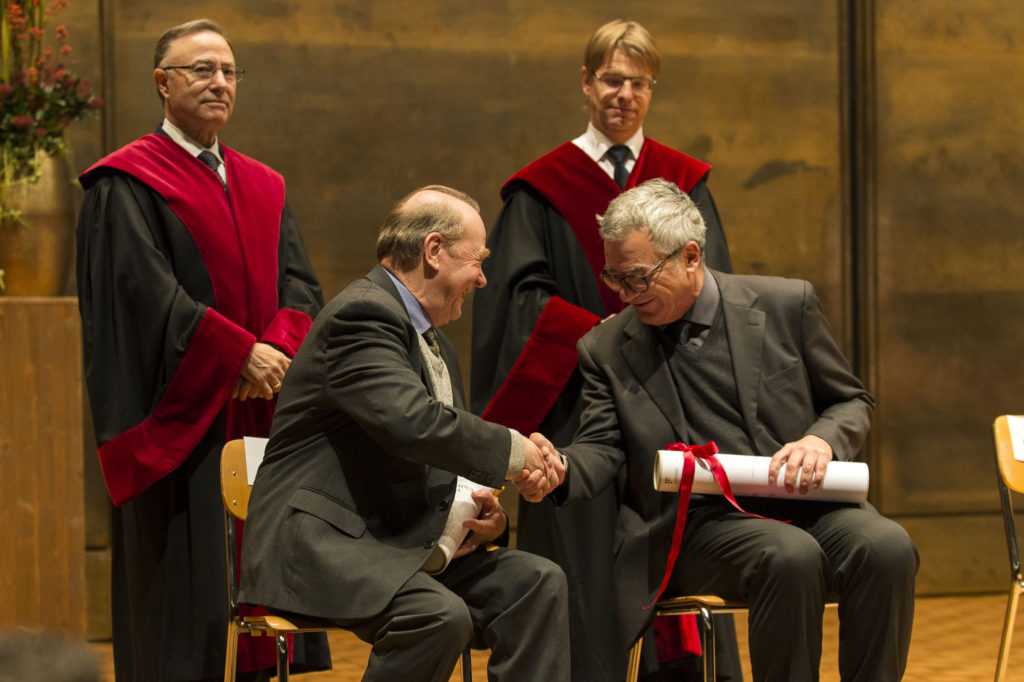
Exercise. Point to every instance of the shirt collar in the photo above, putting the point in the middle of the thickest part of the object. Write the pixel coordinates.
(192, 147)
(417, 315)
(704, 308)
(595, 144)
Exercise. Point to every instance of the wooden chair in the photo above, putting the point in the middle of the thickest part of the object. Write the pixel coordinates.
(1011, 477)
(235, 490)
(704, 606)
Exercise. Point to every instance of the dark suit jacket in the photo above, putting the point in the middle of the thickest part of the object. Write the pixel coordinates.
(362, 461)
(791, 379)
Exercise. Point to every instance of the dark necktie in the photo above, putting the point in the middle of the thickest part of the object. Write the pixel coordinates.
(431, 338)
(210, 159)
(619, 153)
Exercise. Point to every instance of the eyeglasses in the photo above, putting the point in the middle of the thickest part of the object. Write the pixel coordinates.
(640, 84)
(638, 284)
(203, 71)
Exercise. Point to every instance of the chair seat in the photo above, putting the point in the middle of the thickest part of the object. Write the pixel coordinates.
(695, 602)
(274, 623)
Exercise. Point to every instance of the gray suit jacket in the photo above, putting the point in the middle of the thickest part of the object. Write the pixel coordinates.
(361, 466)
(791, 380)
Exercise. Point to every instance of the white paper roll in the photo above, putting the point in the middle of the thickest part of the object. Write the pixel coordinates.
(748, 477)
(463, 507)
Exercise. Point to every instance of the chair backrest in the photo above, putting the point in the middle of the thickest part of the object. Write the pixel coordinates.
(234, 479)
(1010, 469)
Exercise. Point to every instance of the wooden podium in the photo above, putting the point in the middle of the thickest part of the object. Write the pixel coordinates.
(42, 518)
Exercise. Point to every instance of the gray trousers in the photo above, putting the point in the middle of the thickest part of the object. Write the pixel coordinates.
(511, 602)
(786, 571)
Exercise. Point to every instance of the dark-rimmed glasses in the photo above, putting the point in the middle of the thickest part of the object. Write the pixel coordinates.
(638, 284)
(203, 71)
(614, 81)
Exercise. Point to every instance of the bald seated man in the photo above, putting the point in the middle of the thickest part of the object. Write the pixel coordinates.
(370, 449)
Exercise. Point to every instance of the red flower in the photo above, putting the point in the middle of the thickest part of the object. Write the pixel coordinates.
(23, 122)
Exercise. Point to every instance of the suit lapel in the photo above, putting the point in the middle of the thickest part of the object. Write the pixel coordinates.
(379, 276)
(643, 354)
(745, 329)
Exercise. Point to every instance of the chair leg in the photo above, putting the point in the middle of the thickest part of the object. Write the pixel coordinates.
(633, 669)
(706, 623)
(467, 665)
(282, 658)
(231, 653)
(1011, 615)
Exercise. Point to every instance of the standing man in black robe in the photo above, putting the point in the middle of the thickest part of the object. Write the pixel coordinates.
(195, 290)
(545, 295)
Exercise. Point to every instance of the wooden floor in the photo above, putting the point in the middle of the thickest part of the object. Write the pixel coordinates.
(956, 639)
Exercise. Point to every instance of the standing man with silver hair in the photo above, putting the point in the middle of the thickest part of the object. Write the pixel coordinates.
(195, 290)
(545, 294)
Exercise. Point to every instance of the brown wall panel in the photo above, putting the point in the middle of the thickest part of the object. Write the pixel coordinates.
(358, 103)
(949, 253)
(42, 539)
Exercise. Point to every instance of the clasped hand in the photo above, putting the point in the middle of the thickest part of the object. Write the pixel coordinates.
(543, 470)
(262, 374)
(488, 526)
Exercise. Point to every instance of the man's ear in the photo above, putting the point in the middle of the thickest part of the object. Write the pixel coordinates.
(692, 255)
(585, 83)
(432, 246)
(160, 78)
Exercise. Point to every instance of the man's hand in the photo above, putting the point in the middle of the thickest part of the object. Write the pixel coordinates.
(808, 457)
(262, 374)
(553, 460)
(542, 470)
(488, 525)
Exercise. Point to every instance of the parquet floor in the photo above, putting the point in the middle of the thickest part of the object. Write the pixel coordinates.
(956, 639)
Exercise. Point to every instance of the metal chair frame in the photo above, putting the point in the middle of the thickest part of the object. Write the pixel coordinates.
(704, 606)
(235, 490)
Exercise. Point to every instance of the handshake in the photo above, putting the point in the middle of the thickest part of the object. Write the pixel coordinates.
(543, 469)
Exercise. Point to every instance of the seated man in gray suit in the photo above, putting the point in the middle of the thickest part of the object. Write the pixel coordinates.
(750, 363)
(369, 444)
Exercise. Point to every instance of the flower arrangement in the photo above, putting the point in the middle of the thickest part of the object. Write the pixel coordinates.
(39, 96)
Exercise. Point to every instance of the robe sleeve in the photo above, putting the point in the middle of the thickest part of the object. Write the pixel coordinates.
(716, 248)
(159, 363)
(298, 291)
(541, 298)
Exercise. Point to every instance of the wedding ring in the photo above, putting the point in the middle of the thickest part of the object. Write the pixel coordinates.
(276, 386)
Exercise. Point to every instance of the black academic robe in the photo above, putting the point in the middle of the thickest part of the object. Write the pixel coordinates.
(542, 296)
(177, 278)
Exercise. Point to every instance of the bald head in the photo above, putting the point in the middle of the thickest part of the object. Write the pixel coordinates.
(430, 209)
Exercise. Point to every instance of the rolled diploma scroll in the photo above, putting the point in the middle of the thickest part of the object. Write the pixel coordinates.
(463, 507)
(748, 477)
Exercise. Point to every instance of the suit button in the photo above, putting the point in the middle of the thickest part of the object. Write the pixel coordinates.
(443, 506)
(428, 544)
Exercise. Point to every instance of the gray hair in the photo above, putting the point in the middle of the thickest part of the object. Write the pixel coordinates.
(404, 230)
(660, 208)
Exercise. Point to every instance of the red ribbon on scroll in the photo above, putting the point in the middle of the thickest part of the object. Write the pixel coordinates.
(691, 453)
